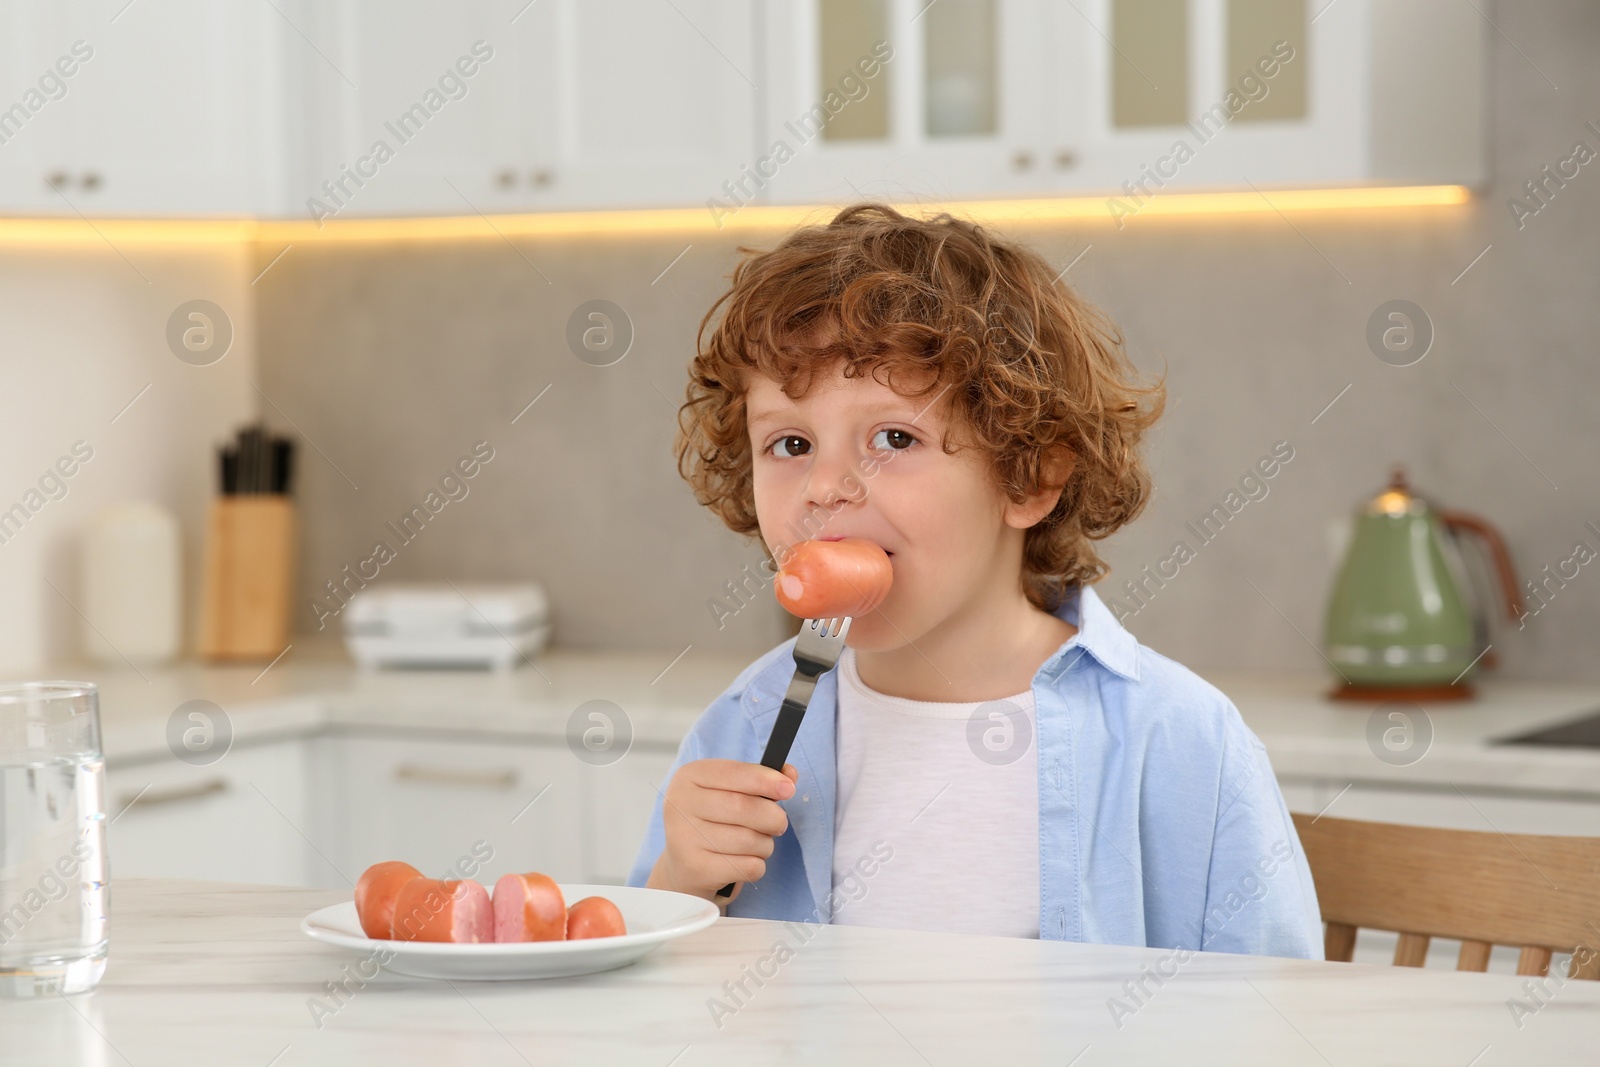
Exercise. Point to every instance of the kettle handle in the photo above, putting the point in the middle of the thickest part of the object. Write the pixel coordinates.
(1461, 520)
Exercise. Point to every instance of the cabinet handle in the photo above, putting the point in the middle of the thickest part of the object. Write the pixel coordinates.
(410, 772)
(173, 796)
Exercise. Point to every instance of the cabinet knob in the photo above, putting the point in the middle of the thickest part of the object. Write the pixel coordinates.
(91, 180)
(1022, 159)
(1066, 159)
(56, 179)
(506, 178)
(542, 179)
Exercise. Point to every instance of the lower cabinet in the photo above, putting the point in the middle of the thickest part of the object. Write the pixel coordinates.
(620, 798)
(453, 808)
(244, 818)
(319, 810)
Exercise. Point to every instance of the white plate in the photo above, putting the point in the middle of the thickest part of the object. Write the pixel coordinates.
(652, 917)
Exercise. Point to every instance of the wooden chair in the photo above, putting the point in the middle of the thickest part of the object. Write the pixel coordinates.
(1539, 893)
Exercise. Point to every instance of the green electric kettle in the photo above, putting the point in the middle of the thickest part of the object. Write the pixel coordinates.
(1404, 621)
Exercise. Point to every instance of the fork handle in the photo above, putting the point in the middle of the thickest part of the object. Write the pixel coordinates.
(778, 745)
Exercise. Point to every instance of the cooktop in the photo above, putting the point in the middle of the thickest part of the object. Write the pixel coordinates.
(1584, 732)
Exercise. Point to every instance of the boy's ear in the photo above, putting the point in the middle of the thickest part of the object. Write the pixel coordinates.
(1054, 472)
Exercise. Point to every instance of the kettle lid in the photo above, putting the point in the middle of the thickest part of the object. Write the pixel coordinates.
(1398, 498)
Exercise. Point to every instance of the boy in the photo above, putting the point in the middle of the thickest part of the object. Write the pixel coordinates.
(994, 753)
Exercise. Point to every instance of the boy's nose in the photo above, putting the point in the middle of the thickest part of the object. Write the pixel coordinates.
(833, 481)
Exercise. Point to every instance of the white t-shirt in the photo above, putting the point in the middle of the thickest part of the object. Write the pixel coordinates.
(953, 790)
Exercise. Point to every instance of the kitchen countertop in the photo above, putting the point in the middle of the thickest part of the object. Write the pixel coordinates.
(208, 973)
(316, 685)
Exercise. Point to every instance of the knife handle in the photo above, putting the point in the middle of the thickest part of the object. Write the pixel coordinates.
(778, 744)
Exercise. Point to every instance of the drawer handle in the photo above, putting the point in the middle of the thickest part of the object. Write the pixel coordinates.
(410, 772)
(173, 796)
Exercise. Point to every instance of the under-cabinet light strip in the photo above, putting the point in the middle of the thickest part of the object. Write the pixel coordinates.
(1121, 210)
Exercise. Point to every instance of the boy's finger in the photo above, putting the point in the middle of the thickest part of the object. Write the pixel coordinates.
(754, 779)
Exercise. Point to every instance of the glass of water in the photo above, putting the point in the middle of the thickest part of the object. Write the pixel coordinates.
(53, 892)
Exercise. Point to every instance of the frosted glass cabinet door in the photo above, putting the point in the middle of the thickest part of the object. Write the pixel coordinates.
(899, 99)
(1158, 94)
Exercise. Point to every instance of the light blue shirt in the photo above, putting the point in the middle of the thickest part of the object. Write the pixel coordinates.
(1160, 819)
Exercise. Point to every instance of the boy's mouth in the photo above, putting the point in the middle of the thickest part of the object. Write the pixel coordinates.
(841, 537)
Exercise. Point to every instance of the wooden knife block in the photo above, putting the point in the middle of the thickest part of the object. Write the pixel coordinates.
(249, 575)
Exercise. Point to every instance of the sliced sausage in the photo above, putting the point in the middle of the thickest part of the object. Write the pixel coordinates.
(376, 891)
(432, 909)
(529, 907)
(594, 917)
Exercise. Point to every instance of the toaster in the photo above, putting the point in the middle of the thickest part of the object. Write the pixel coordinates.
(488, 625)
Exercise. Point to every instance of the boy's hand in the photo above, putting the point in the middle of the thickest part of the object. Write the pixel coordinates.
(719, 820)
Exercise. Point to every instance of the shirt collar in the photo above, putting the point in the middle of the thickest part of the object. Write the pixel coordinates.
(1099, 634)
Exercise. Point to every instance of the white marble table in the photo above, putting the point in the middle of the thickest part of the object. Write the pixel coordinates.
(218, 973)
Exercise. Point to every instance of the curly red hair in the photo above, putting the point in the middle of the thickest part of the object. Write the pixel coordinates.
(1035, 374)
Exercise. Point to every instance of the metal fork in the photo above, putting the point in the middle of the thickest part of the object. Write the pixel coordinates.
(816, 649)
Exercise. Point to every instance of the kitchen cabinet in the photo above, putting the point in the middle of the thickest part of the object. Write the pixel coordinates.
(655, 104)
(619, 799)
(1132, 97)
(302, 109)
(411, 107)
(171, 107)
(441, 802)
(318, 809)
(1152, 94)
(244, 818)
(420, 108)
(882, 97)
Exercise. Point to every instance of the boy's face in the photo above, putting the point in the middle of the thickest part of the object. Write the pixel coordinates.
(853, 458)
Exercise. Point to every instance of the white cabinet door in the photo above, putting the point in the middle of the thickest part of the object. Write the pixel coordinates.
(900, 99)
(242, 819)
(441, 803)
(655, 103)
(412, 107)
(43, 70)
(489, 106)
(618, 800)
(176, 110)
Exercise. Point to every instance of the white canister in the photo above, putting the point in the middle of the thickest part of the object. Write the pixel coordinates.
(133, 584)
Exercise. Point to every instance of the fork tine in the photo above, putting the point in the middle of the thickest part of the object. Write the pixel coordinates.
(822, 640)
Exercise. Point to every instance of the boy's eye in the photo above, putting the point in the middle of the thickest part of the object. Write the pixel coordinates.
(899, 440)
(790, 445)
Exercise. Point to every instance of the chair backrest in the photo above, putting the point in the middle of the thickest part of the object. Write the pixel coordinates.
(1535, 892)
